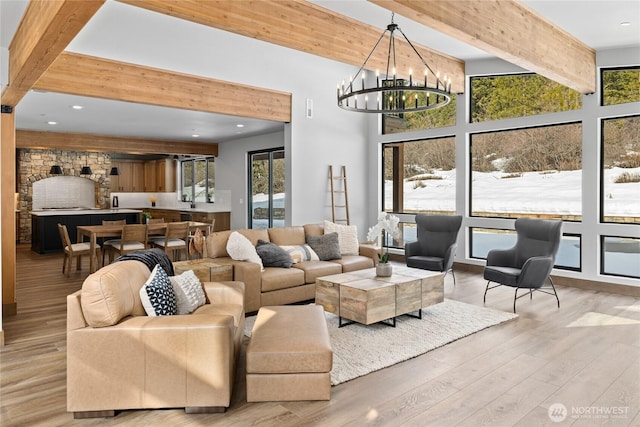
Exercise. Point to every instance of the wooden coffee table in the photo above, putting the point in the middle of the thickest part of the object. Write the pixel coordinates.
(362, 297)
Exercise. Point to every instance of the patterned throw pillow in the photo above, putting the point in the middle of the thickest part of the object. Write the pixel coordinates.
(347, 236)
(273, 255)
(327, 247)
(240, 248)
(299, 253)
(157, 294)
(188, 291)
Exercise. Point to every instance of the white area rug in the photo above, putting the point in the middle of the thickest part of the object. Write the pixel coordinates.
(360, 349)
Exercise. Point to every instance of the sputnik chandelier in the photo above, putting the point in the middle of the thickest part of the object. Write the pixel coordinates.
(391, 93)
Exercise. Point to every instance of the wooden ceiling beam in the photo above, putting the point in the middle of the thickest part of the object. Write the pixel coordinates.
(44, 32)
(511, 31)
(304, 26)
(110, 144)
(84, 75)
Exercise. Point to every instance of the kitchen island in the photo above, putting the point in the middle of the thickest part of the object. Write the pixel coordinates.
(44, 224)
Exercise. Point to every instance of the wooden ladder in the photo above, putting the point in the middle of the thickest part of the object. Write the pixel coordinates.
(339, 186)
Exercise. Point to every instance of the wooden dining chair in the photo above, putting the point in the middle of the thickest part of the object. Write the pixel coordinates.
(155, 221)
(73, 250)
(110, 241)
(134, 238)
(175, 238)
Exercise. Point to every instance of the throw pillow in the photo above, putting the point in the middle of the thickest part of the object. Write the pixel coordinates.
(157, 294)
(347, 236)
(273, 255)
(327, 247)
(240, 248)
(188, 291)
(299, 253)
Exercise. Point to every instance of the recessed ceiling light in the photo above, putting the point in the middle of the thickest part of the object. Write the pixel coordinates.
(52, 123)
(239, 125)
(625, 23)
(77, 107)
(195, 135)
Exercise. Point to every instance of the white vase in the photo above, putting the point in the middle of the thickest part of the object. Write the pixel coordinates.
(384, 269)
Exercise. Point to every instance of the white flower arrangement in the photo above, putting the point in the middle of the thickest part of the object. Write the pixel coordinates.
(386, 224)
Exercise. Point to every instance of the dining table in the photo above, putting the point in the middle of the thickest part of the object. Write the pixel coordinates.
(93, 232)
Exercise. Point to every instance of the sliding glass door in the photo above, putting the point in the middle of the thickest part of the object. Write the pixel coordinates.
(266, 188)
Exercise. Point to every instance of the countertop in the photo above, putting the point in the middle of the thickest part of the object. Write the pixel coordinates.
(58, 212)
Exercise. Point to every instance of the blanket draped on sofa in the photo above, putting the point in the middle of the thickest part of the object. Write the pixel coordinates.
(150, 258)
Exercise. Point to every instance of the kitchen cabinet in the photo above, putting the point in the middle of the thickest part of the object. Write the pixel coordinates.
(150, 181)
(160, 175)
(131, 178)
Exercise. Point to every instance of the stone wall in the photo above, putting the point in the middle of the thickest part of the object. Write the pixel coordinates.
(34, 165)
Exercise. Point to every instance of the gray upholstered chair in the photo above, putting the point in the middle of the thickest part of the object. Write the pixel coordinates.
(529, 262)
(435, 248)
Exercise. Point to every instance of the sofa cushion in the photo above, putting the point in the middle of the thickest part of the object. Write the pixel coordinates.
(112, 293)
(157, 296)
(273, 255)
(314, 269)
(313, 229)
(347, 236)
(354, 263)
(240, 248)
(216, 244)
(299, 253)
(188, 291)
(327, 246)
(287, 236)
(281, 278)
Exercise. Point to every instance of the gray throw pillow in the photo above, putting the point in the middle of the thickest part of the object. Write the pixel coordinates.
(327, 246)
(273, 255)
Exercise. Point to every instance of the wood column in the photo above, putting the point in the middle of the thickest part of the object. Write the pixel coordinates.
(7, 210)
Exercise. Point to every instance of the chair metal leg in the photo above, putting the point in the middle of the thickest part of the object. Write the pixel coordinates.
(554, 291)
(515, 297)
(484, 300)
(454, 277)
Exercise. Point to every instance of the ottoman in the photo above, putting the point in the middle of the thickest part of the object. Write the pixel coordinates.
(289, 355)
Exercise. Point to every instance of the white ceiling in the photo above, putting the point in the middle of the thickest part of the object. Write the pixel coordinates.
(139, 36)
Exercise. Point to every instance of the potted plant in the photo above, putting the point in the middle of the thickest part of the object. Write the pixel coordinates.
(386, 224)
(145, 217)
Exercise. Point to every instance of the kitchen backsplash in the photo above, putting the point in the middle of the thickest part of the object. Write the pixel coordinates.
(64, 192)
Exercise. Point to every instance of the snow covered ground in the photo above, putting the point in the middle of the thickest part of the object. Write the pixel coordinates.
(548, 192)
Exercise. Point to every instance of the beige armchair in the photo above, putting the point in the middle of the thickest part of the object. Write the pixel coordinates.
(119, 358)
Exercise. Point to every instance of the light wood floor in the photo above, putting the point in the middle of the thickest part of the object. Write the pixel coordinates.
(585, 355)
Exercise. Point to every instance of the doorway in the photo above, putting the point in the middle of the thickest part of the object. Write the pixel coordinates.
(266, 188)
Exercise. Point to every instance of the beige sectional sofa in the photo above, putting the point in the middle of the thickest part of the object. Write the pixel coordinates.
(120, 358)
(276, 285)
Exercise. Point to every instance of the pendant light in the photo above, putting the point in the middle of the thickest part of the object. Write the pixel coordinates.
(55, 170)
(86, 170)
(114, 171)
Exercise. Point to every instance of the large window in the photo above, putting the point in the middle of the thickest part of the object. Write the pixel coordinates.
(620, 256)
(620, 85)
(198, 180)
(420, 176)
(505, 97)
(429, 119)
(620, 175)
(533, 172)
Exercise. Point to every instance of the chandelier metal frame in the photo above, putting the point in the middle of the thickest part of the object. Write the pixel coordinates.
(394, 95)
